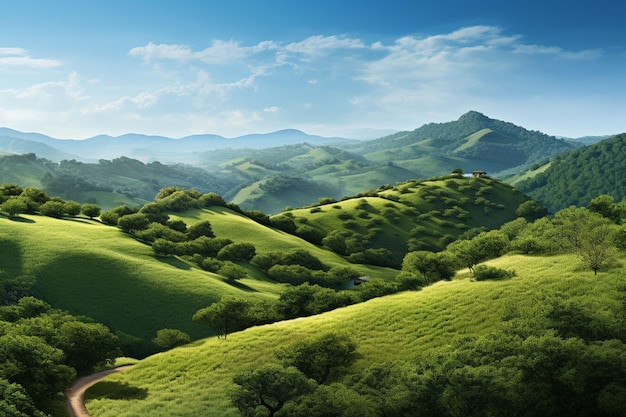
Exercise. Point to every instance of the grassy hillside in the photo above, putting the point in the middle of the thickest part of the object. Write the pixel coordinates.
(98, 271)
(195, 380)
(242, 229)
(417, 214)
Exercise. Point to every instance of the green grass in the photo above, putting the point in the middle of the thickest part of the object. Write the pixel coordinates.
(397, 211)
(195, 380)
(98, 271)
(241, 229)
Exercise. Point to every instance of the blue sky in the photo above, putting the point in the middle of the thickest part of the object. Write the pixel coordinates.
(75, 69)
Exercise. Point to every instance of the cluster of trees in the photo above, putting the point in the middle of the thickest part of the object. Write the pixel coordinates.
(15, 200)
(301, 372)
(42, 350)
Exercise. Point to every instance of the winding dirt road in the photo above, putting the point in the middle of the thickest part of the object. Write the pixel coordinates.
(75, 395)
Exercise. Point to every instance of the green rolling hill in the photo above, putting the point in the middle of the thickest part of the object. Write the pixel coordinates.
(404, 328)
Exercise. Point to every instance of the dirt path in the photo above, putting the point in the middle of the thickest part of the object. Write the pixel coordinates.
(75, 395)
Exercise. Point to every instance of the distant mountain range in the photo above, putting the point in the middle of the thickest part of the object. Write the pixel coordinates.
(285, 168)
(148, 148)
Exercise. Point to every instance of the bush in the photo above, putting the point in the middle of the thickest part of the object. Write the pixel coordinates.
(90, 210)
(484, 273)
(52, 209)
(170, 338)
(237, 252)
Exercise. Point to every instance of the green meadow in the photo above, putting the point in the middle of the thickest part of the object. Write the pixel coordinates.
(195, 380)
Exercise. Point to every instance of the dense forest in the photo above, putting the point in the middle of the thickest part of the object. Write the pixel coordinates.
(575, 178)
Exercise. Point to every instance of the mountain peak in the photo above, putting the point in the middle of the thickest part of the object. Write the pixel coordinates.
(474, 115)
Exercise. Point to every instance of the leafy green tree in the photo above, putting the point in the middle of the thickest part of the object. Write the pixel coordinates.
(90, 210)
(14, 206)
(284, 223)
(10, 190)
(52, 209)
(605, 206)
(320, 355)
(228, 315)
(334, 400)
(156, 212)
(421, 268)
(589, 235)
(15, 401)
(71, 208)
(86, 345)
(133, 222)
(170, 338)
(34, 198)
(268, 388)
(237, 252)
(232, 271)
(163, 247)
(32, 363)
(199, 229)
(212, 199)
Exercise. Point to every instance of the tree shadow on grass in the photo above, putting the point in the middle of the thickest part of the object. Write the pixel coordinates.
(239, 285)
(115, 391)
(19, 219)
(175, 262)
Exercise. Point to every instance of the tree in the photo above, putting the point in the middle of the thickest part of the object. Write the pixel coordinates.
(605, 205)
(90, 210)
(133, 222)
(52, 209)
(588, 235)
(319, 355)
(34, 198)
(170, 338)
(71, 208)
(30, 362)
(226, 316)
(237, 252)
(15, 402)
(202, 228)
(14, 206)
(427, 267)
(269, 387)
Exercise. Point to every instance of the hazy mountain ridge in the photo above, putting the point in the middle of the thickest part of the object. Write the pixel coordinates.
(148, 147)
(327, 167)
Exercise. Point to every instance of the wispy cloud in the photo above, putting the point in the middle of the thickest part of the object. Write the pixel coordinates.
(318, 79)
(19, 57)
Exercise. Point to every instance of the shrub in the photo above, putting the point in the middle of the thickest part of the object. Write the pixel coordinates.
(90, 210)
(237, 252)
(52, 209)
(485, 272)
(170, 338)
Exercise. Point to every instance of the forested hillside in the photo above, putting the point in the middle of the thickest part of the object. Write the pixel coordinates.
(575, 178)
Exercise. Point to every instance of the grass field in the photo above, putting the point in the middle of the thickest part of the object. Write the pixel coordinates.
(195, 380)
(98, 271)
(95, 270)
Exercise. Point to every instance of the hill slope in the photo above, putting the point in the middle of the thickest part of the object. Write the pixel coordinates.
(579, 176)
(197, 379)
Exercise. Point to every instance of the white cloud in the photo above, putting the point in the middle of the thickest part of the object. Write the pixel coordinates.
(20, 58)
(272, 109)
(152, 52)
